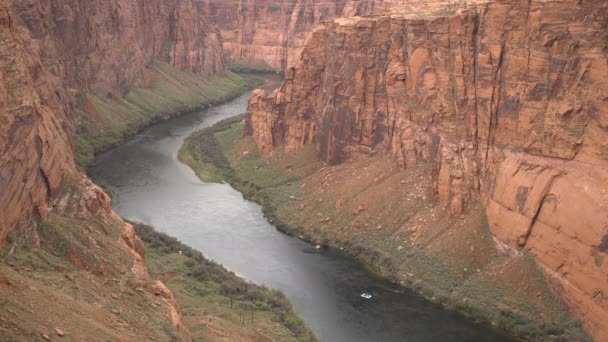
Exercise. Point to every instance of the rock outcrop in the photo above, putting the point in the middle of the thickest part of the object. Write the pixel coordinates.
(269, 35)
(54, 50)
(35, 146)
(105, 46)
(506, 101)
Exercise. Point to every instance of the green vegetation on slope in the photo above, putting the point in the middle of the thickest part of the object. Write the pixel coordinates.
(410, 240)
(203, 152)
(205, 290)
(104, 121)
(252, 67)
(79, 281)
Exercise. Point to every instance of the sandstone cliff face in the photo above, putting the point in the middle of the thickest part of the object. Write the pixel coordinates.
(269, 35)
(54, 49)
(105, 46)
(505, 100)
(35, 148)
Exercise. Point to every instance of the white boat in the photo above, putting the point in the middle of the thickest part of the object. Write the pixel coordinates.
(366, 295)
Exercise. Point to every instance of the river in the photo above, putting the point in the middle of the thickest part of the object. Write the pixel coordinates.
(148, 184)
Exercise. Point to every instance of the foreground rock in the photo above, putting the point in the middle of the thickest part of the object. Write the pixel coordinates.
(504, 102)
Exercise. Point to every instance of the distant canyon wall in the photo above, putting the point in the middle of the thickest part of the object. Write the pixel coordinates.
(264, 34)
(506, 100)
(105, 46)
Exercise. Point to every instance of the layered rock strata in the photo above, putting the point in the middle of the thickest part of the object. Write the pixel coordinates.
(54, 50)
(269, 35)
(105, 46)
(35, 146)
(506, 101)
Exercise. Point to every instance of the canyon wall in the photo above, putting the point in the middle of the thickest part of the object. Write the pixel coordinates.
(505, 100)
(51, 53)
(269, 35)
(35, 146)
(55, 50)
(105, 46)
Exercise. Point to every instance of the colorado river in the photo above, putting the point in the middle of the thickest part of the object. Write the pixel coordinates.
(148, 184)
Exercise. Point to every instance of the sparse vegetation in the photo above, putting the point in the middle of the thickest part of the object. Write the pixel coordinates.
(105, 121)
(199, 277)
(82, 261)
(259, 67)
(80, 280)
(203, 151)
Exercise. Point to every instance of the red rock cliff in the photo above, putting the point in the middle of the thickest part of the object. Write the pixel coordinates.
(270, 34)
(264, 34)
(50, 50)
(507, 100)
(35, 147)
(105, 46)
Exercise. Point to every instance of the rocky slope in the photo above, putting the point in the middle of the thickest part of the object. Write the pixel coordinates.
(269, 35)
(504, 103)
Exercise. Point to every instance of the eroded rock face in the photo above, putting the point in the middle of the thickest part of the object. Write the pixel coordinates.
(105, 46)
(52, 50)
(35, 147)
(505, 99)
(269, 35)
(556, 210)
